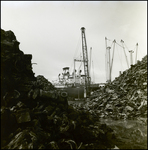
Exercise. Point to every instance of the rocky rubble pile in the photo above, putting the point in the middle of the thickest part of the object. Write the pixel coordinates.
(34, 115)
(122, 105)
(123, 98)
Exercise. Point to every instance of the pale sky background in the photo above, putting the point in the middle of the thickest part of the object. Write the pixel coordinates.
(51, 32)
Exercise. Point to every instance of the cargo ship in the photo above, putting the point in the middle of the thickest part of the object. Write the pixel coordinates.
(77, 85)
(73, 84)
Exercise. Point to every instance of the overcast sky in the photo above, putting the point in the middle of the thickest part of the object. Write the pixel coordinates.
(51, 32)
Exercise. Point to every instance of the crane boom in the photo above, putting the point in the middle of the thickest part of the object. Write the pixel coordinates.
(85, 60)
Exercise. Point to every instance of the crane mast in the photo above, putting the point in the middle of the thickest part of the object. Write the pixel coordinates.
(85, 60)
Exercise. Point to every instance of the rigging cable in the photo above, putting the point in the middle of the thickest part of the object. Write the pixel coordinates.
(130, 51)
(120, 57)
(119, 45)
(76, 51)
(78, 46)
(126, 47)
(112, 56)
(125, 53)
(134, 49)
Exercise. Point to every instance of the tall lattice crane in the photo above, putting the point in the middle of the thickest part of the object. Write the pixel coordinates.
(85, 60)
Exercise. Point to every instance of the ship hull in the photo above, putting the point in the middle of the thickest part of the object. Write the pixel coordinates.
(74, 92)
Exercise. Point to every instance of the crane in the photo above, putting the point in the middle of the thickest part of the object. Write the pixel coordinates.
(85, 60)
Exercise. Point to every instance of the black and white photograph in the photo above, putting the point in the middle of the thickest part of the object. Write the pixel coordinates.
(74, 75)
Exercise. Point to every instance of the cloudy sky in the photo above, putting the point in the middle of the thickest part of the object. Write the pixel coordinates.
(51, 32)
